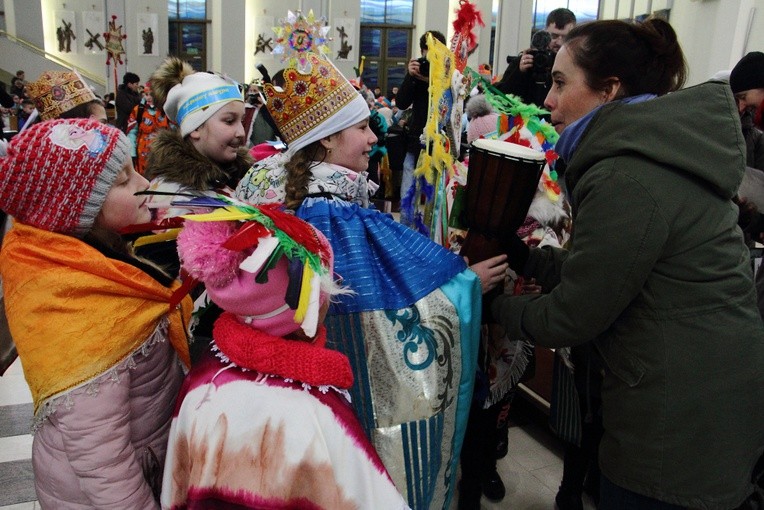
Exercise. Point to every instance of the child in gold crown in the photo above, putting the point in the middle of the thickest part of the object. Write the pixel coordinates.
(411, 327)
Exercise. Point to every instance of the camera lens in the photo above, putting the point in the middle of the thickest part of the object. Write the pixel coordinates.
(424, 66)
(541, 40)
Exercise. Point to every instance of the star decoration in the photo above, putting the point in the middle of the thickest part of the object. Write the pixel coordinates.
(114, 37)
(298, 34)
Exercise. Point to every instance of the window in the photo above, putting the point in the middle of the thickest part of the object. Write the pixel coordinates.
(188, 31)
(187, 9)
(585, 10)
(386, 30)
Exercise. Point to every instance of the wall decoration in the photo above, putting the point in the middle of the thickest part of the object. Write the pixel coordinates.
(93, 25)
(66, 29)
(265, 39)
(345, 39)
(147, 33)
(263, 45)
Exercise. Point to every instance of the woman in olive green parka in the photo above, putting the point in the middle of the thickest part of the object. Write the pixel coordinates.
(657, 276)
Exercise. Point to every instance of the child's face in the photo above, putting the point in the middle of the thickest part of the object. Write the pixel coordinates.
(220, 137)
(122, 208)
(28, 108)
(351, 146)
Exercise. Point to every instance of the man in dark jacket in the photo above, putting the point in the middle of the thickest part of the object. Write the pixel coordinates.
(128, 97)
(414, 92)
(520, 78)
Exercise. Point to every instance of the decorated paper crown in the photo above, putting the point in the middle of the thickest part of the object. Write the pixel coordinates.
(260, 263)
(316, 101)
(56, 92)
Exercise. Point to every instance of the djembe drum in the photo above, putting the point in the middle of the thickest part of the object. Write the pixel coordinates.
(501, 183)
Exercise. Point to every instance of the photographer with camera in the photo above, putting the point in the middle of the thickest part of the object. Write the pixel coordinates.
(256, 123)
(414, 92)
(529, 75)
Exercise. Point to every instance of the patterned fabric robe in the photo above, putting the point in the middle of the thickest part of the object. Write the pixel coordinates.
(410, 330)
(243, 439)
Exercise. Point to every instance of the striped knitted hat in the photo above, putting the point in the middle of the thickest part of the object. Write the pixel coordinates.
(57, 173)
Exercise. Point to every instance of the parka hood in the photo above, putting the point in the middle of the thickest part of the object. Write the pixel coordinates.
(695, 130)
(176, 160)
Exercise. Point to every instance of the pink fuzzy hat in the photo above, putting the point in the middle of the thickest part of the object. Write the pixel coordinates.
(481, 126)
(267, 271)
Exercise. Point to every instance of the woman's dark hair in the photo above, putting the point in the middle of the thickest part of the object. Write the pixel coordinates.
(113, 246)
(298, 173)
(81, 111)
(645, 57)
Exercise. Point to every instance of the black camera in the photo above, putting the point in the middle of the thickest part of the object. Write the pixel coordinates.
(424, 66)
(254, 99)
(543, 57)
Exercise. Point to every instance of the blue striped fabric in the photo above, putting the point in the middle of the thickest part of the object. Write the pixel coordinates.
(373, 252)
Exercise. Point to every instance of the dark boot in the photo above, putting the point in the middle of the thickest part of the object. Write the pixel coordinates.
(502, 448)
(592, 483)
(567, 499)
(574, 467)
(469, 496)
(493, 487)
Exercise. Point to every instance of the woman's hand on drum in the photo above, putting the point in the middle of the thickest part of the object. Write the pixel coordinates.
(491, 272)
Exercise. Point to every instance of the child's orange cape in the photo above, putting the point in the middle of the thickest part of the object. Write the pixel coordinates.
(74, 313)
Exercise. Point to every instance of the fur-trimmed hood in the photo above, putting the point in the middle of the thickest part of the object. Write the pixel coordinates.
(176, 160)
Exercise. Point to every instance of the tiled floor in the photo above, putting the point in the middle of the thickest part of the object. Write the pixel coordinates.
(15, 442)
(531, 471)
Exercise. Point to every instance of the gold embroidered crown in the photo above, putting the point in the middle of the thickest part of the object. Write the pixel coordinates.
(56, 92)
(313, 91)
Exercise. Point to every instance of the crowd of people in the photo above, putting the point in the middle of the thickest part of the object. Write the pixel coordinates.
(229, 319)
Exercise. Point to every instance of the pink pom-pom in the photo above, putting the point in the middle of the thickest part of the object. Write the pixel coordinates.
(262, 151)
(202, 254)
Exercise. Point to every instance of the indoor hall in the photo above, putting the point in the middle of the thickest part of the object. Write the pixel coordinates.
(533, 467)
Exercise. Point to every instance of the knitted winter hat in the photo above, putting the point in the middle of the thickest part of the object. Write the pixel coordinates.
(481, 126)
(267, 271)
(748, 73)
(57, 173)
(316, 101)
(483, 120)
(197, 98)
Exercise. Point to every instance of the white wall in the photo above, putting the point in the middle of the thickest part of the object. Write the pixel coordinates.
(513, 31)
(35, 21)
(715, 46)
(713, 33)
(226, 35)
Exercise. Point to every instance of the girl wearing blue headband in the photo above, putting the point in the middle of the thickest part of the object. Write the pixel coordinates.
(206, 152)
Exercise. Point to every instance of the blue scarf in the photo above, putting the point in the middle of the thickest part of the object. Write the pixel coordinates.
(571, 136)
